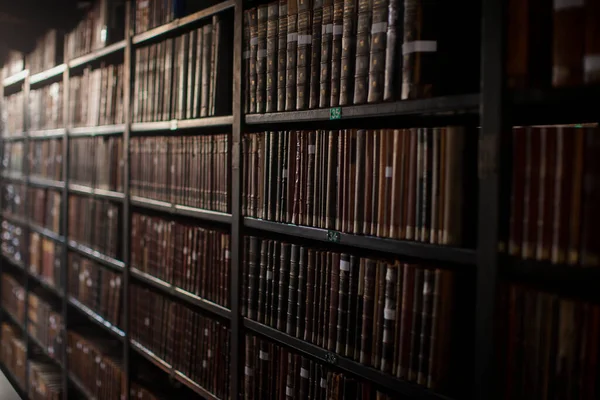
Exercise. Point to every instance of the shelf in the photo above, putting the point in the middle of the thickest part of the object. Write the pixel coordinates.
(447, 105)
(14, 319)
(45, 183)
(402, 388)
(48, 74)
(46, 232)
(16, 78)
(424, 251)
(14, 138)
(176, 209)
(14, 176)
(181, 294)
(46, 285)
(15, 219)
(44, 349)
(94, 55)
(97, 130)
(97, 319)
(182, 22)
(166, 367)
(176, 125)
(97, 256)
(47, 133)
(94, 192)
(15, 263)
(82, 389)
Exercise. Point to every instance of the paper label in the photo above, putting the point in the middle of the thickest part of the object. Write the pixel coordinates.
(378, 27)
(147, 321)
(204, 364)
(97, 359)
(304, 39)
(269, 275)
(326, 29)
(289, 391)
(323, 383)
(591, 63)
(262, 53)
(389, 314)
(292, 37)
(419, 46)
(304, 373)
(562, 4)
(284, 173)
(388, 172)
(248, 371)
(246, 55)
(209, 353)
(227, 255)
(254, 41)
(337, 30)
(344, 265)
(118, 281)
(205, 331)
(311, 149)
(264, 355)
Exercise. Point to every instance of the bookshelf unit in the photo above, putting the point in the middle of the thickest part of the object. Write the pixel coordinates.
(495, 109)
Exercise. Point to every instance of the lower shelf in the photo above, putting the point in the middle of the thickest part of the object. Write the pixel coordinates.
(97, 319)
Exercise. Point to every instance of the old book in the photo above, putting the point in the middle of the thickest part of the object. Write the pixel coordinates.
(272, 54)
(293, 290)
(569, 28)
(282, 54)
(532, 184)
(389, 316)
(262, 282)
(207, 56)
(303, 57)
(315, 59)
(377, 50)
(574, 224)
(591, 71)
(292, 55)
(310, 295)
(245, 60)
(347, 55)
(455, 143)
(545, 200)
(336, 52)
(261, 58)
(342, 303)
(326, 54)
(391, 83)
(302, 290)
(591, 190)
(359, 185)
(368, 305)
(333, 303)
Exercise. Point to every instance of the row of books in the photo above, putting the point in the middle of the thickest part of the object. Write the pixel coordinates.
(46, 158)
(14, 352)
(553, 43)
(188, 76)
(96, 96)
(554, 194)
(96, 287)
(12, 115)
(329, 53)
(47, 53)
(13, 199)
(150, 14)
(46, 107)
(45, 259)
(14, 63)
(97, 162)
(44, 207)
(45, 325)
(190, 170)
(14, 244)
(102, 24)
(95, 362)
(401, 184)
(551, 347)
(194, 345)
(13, 297)
(274, 372)
(12, 158)
(95, 223)
(394, 317)
(192, 258)
(44, 381)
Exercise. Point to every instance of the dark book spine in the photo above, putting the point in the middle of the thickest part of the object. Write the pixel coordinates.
(426, 326)
(275, 276)
(245, 58)
(284, 277)
(262, 282)
(415, 333)
(292, 55)
(389, 317)
(310, 295)
(315, 59)
(304, 54)
(283, 193)
(326, 45)
(347, 56)
(310, 185)
(272, 54)
(333, 301)
(261, 59)
(391, 82)
(336, 52)
(377, 56)
(282, 54)
(292, 290)
(252, 63)
(343, 299)
(368, 307)
(302, 283)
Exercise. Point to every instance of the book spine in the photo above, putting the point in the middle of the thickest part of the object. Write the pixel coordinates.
(282, 43)
(272, 54)
(292, 55)
(303, 57)
(336, 52)
(326, 46)
(302, 279)
(253, 15)
(569, 28)
(245, 58)
(315, 59)
(261, 58)
(377, 51)
(293, 290)
(392, 60)
(347, 55)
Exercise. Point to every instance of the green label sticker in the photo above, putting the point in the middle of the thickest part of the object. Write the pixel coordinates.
(333, 236)
(335, 113)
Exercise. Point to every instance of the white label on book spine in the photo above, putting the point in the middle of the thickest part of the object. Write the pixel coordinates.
(204, 364)
(262, 53)
(591, 63)
(304, 39)
(344, 265)
(227, 255)
(205, 331)
(289, 391)
(269, 275)
(147, 321)
(562, 4)
(292, 37)
(209, 353)
(254, 41)
(246, 55)
(388, 172)
(311, 149)
(304, 373)
(284, 173)
(248, 371)
(389, 314)
(323, 383)
(419, 46)
(327, 29)
(264, 355)
(379, 27)
(337, 30)
(97, 359)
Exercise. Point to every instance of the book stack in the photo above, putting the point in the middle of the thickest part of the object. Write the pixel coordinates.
(46, 107)
(13, 298)
(12, 159)
(150, 14)
(96, 287)
(192, 258)
(48, 52)
(403, 184)
(12, 115)
(95, 363)
(95, 223)
(553, 43)
(14, 353)
(194, 345)
(188, 76)
(97, 162)
(13, 199)
(46, 158)
(44, 207)
(45, 259)
(44, 381)
(189, 170)
(102, 24)
(327, 53)
(274, 372)
(96, 96)
(46, 325)
(13, 63)
(554, 195)
(392, 316)
(551, 346)
(13, 241)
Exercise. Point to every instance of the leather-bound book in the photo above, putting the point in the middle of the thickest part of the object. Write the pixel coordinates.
(336, 52)
(591, 195)
(262, 282)
(389, 317)
(433, 206)
(377, 50)
(282, 54)
(316, 306)
(408, 291)
(417, 317)
(342, 303)
(315, 51)
(378, 315)
(280, 209)
(326, 293)
(333, 302)
(284, 277)
(452, 233)
(426, 326)
(326, 48)
(261, 59)
(310, 176)
(206, 67)
(341, 180)
(353, 316)
(302, 283)
(272, 54)
(291, 172)
(545, 198)
(426, 184)
(275, 272)
(253, 15)
(275, 138)
(393, 59)
(398, 184)
(532, 184)
(292, 290)
(331, 180)
(292, 55)
(317, 181)
(369, 183)
(298, 171)
(245, 59)
(320, 314)
(568, 42)
(304, 54)
(368, 304)
(350, 182)
(419, 48)
(347, 57)
(576, 185)
(310, 295)
(359, 183)
(591, 60)
(377, 181)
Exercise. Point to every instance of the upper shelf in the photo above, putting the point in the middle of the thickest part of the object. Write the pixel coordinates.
(16, 78)
(175, 124)
(48, 74)
(94, 55)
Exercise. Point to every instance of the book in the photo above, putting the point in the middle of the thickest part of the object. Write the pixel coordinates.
(46, 158)
(97, 162)
(45, 207)
(13, 157)
(13, 298)
(45, 324)
(14, 353)
(13, 199)
(45, 259)
(46, 107)
(14, 106)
